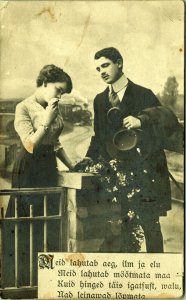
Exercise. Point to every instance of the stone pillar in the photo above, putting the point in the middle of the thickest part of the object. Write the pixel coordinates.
(92, 221)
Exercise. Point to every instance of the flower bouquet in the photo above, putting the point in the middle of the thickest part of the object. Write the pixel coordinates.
(119, 188)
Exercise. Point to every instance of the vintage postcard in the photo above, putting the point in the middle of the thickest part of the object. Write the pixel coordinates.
(91, 149)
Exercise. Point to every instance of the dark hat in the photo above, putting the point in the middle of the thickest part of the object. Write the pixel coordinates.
(124, 140)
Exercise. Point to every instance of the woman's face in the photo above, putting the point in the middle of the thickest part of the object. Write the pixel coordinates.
(54, 90)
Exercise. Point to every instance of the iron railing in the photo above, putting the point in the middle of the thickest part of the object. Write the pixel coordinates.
(30, 290)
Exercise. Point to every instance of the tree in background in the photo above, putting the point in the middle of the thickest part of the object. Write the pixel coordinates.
(170, 92)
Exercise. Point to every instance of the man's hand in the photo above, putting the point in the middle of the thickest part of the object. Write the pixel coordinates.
(131, 122)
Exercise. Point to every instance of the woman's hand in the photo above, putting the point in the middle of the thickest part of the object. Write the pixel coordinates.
(61, 154)
(71, 167)
(81, 165)
(51, 111)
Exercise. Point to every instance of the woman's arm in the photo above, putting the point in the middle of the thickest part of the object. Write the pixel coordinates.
(23, 125)
(61, 154)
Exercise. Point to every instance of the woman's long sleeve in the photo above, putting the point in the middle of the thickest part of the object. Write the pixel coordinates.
(23, 126)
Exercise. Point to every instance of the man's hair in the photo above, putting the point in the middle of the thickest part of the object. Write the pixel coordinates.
(111, 53)
(51, 73)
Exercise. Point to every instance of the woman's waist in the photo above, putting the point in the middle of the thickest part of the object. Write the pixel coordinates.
(44, 151)
(43, 148)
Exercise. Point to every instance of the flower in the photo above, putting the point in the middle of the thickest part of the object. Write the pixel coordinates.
(131, 214)
(115, 188)
(107, 179)
(113, 162)
(122, 179)
(114, 199)
(131, 194)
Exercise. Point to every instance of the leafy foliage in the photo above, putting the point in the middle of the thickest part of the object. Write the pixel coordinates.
(120, 187)
(170, 92)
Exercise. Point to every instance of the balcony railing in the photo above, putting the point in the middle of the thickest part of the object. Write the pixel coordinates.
(18, 222)
(71, 185)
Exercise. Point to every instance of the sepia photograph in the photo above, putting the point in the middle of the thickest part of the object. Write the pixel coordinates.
(91, 149)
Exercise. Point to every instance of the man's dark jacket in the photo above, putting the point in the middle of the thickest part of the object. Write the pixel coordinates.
(149, 166)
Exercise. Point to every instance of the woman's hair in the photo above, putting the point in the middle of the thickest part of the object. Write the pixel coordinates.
(111, 53)
(51, 73)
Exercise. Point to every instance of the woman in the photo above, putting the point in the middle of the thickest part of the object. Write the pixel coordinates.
(39, 124)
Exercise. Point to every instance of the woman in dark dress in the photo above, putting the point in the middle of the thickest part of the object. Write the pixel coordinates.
(39, 124)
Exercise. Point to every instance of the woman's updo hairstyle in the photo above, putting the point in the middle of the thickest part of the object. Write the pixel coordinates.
(51, 73)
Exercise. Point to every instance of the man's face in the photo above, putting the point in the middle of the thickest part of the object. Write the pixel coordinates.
(109, 71)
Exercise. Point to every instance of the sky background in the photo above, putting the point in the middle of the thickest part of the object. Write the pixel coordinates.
(149, 35)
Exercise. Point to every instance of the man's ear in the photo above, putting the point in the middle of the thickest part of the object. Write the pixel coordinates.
(119, 63)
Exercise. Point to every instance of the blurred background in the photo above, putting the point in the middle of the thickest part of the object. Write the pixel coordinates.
(149, 35)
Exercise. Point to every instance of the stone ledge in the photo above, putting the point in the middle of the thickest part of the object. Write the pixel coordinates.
(77, 181)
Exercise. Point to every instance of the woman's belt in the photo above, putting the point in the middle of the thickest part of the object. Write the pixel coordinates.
(44, 149)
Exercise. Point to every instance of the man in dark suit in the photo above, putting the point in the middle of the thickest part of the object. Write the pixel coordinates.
(132, 100)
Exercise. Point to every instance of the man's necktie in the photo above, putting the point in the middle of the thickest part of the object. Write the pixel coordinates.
(113, 98)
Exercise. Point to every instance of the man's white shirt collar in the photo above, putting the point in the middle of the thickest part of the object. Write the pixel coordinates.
(120, 86)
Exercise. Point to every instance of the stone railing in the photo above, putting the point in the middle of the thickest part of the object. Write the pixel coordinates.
(89, 216)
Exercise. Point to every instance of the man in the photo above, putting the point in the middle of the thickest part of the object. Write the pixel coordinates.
(133, 102)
